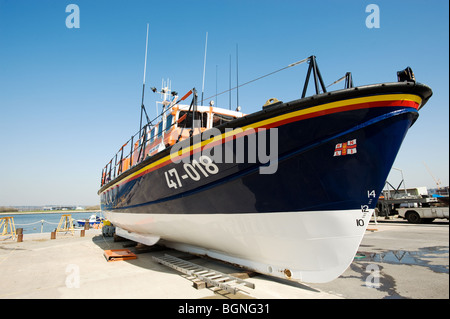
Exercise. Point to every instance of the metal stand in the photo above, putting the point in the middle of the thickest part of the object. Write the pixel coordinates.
(317, 77)
(65, 224)
(5, 224)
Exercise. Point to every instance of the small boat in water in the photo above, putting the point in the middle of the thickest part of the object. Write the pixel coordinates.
(287, 191)
(93, 220)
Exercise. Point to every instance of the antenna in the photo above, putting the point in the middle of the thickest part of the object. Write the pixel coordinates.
(143, 85)
(217, 98)
(237, 78)
(204, 67)
(229, 95)
(145, 61)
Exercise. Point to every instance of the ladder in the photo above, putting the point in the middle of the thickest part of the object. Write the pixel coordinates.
(223, 281)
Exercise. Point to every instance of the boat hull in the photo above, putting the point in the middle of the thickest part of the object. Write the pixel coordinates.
(305, 220)
(314, 246)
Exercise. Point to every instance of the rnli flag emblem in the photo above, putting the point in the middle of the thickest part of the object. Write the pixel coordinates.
(346, 148)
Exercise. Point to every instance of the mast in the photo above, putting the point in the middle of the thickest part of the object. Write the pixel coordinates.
(237, 78)
(229, 94)
(204, 67)
(143, 85)
(217, 99)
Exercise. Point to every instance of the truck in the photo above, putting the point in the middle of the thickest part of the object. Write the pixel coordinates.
(424, 215)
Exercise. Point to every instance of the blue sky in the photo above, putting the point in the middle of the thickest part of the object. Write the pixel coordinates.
(69, 98)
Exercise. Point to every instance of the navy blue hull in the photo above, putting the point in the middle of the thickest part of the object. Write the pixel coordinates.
(308, 178)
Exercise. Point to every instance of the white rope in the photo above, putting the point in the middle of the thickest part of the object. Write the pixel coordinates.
(259, 78)
(40, 221)
(50, 222)
(337, 81)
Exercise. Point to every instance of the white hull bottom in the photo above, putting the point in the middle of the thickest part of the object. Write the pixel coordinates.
(316, 246)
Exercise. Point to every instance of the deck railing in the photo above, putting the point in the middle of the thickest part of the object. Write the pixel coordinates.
(123, 160)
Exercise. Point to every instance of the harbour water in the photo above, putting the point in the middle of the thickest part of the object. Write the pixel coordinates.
(45, 222)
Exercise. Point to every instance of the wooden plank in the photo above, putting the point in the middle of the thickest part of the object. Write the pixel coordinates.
(119, 254)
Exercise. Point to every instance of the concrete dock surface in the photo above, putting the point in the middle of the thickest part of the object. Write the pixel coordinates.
(395, 260)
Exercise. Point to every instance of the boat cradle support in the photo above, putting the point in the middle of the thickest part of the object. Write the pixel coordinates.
(146, 239)
(223, 281)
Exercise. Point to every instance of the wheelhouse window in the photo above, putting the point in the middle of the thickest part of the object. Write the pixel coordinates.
(152, 135)
(219, 119)
(169, 120)
(203, 117)
(160, 128)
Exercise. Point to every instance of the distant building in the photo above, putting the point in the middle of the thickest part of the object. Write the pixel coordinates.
(415, 192)
(443, 191)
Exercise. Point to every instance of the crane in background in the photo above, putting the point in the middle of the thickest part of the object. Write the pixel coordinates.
(437, 181)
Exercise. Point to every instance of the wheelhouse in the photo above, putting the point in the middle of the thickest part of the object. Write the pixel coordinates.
(175, 124)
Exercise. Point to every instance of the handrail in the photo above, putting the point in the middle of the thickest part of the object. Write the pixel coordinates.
(112, 170)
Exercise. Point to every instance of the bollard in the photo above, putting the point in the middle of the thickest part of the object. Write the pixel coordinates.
(53, 235)
(86, 225)
(19, 233)
(82, 233)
